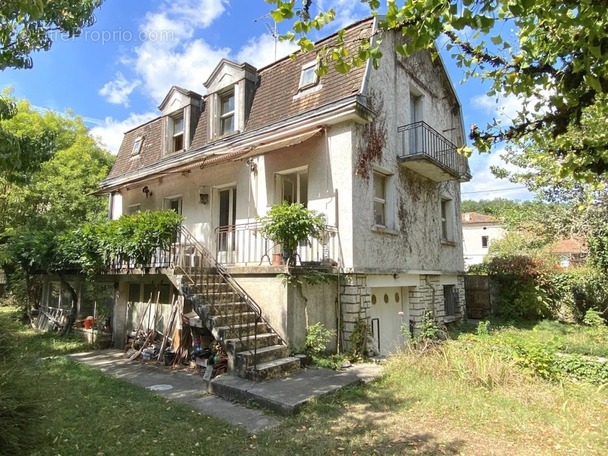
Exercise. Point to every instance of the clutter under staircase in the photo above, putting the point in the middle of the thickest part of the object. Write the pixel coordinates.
(255, 351)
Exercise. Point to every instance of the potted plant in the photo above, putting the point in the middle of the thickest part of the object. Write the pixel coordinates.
(289, 224)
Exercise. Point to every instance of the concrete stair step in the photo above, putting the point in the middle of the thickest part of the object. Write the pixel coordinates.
(246, 359)
(233, 318)
(236, 345)
(273, 369)
(239, 331)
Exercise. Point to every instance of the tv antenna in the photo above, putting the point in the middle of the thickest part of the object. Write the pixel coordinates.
(272, 29)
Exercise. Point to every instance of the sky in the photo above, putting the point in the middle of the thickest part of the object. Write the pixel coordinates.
(119, 70)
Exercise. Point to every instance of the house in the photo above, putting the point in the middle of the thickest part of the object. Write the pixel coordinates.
(374, 151)
(570, 252)
(478, 232)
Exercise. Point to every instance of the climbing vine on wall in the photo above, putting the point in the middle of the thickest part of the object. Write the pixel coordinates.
(373, 137)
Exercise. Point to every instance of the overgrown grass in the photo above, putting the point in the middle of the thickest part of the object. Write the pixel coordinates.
(466, 396)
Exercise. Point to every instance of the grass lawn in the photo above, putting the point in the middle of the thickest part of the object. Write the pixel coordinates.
(463, 397)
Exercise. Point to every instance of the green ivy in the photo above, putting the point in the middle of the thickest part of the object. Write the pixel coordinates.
(92, 247)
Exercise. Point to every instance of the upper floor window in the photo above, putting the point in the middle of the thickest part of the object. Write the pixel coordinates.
(227, 113)
(380, 186)
(291, 186)
(308, 77)
(137, 145)
(177, 133)
(447, 219)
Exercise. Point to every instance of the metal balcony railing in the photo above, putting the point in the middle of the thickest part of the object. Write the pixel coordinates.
(244, 245)
(419, 141)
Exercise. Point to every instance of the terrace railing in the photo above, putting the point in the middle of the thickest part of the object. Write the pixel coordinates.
(244, 245)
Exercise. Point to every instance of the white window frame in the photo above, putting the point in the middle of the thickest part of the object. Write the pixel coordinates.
(133, 209)
(381, 200)
(137, 145)
(169, 199)
(228, 114)
(300, 195)
(308, 75)
(447, 217)
(173, 120)
(485, 241)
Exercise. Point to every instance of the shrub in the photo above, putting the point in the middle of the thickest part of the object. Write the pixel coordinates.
(523, 287)
(289, 224)
(317, 338)
(578, 290)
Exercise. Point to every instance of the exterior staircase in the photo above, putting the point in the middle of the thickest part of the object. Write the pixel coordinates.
(255, 351)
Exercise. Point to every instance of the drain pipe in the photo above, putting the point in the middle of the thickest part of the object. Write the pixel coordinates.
(339, 317)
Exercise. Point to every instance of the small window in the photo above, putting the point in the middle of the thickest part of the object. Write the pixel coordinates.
(309, 77)
(379, 199)
(227, 114)
(447, 220)
(292, 186)
(178, 134)
(137, 145)
(134, 209)
(484, 242)
(450, 300)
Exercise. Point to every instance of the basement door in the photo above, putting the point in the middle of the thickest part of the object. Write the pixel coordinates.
(385, 318)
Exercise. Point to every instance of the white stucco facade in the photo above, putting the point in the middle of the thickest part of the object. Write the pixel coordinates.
(478, 233)
(392, 268)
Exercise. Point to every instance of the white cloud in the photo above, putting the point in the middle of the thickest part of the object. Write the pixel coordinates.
(502, 108)
(111, 131)
(170, 53)
(260, 51)
(506, 108)
(485, 185)
(347, 11)
(118, 90)
(187, 67)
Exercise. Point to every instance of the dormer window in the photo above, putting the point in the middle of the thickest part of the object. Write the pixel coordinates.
(227, 113)
(137, 145)
(308, 77)
(177, 142)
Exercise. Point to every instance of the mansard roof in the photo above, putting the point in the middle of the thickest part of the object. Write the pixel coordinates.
(276, 100)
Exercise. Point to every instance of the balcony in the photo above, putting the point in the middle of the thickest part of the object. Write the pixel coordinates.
(239, 245)
(244, 245)
(430, 154)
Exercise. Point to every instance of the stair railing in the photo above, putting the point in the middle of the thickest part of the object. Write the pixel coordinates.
(201, 269)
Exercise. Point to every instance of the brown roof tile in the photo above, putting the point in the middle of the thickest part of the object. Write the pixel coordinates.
(571, 245)
(476, 217)
(150, 149)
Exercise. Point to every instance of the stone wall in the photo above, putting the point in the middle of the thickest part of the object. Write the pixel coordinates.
(355, 300)
(426, 295)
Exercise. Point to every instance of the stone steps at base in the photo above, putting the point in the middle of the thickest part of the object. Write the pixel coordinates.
(273, 369)
(246, 359)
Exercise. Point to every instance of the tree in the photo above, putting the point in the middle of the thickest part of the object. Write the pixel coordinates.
(555, 61)
(20, 153)
(27, 26)
(54, 196)
(550, 166)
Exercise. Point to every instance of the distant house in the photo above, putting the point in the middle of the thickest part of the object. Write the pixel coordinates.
(478, 232)
(570, 252)
(374, 151)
